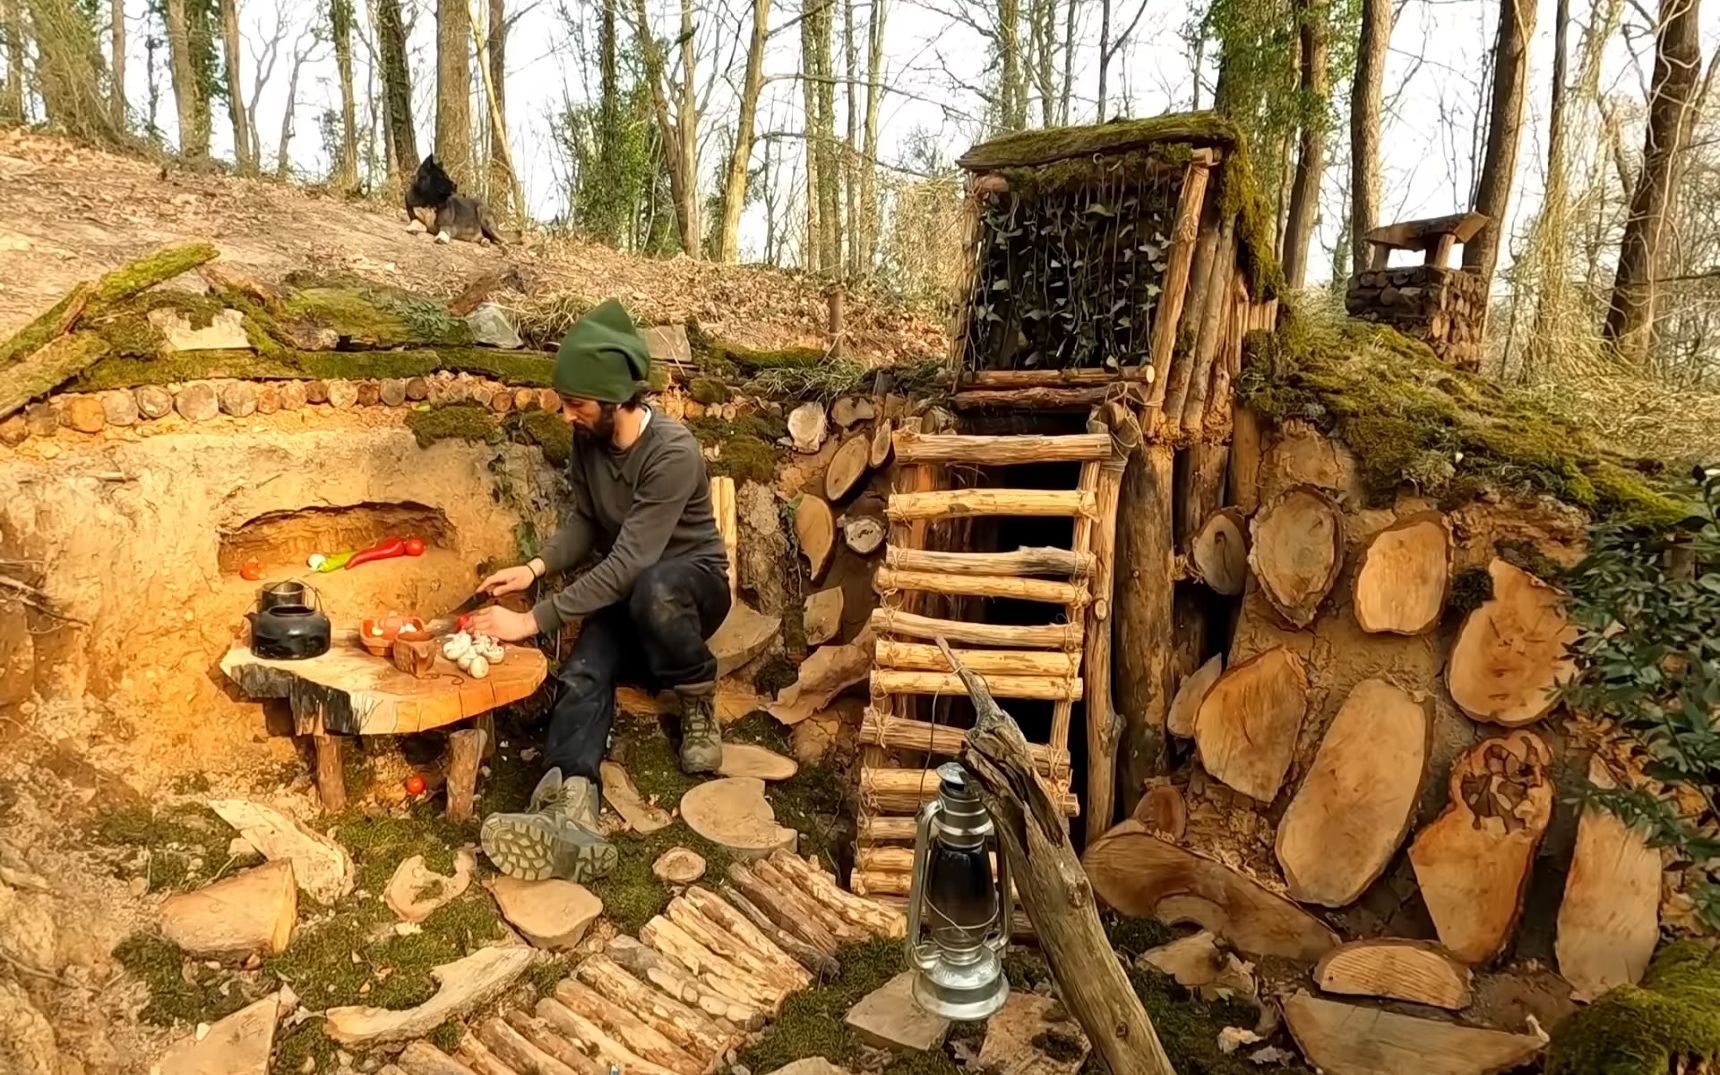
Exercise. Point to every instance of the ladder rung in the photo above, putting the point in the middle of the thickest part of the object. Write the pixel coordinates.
(1071, 594)
(903, 791)
(1040, 688)
(890, 621)
(899, 733)
(1025, 561)
(889, 653)
(967, 503)
(914, 447)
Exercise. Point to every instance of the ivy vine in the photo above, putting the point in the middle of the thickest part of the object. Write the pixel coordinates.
(1069, 272)
(1647, 603)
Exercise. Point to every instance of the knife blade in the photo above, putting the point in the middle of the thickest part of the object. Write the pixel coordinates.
(449, 621)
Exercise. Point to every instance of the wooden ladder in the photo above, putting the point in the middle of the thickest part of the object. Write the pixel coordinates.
(1040, 662)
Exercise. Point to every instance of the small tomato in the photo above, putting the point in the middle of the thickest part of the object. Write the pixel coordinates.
(414, 546)
(252, 570)
(415, 784)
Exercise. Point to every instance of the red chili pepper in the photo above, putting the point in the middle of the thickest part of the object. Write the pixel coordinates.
(388, 550)
(414, 546)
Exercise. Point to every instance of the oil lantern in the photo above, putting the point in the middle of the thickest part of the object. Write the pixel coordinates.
(955, 901)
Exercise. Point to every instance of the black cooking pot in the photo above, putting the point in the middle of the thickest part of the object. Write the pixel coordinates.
(285, 631)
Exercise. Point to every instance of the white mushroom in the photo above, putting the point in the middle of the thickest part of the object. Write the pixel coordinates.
(493, 653)
(479, 668)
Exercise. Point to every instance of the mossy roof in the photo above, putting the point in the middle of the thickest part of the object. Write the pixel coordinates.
(1043, 146)
(1414, 421)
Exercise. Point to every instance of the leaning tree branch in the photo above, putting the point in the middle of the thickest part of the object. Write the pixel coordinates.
(1054, 889)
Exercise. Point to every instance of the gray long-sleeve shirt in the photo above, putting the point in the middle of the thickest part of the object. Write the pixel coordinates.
(635, 507)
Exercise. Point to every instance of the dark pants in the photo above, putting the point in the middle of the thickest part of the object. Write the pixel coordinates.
(656, 637)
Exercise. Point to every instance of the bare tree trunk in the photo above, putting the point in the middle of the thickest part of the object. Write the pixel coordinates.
(454, 90)
(396, 84)
(1068, 62)
(1104, 55)
(869, 167)
(1012, 90)
(1315, 23)
(673, 139)
(71, 70)
(740, 154)
(1551, 248)
(1046, 67)
(687, 126)
(1677, 67)
(12, 99)
(502, 175)
(1366, 105)
(814, 255)
(187, 93)
(235, 96)
(851, 144)
(504, 172)
(1504, 129)
(116, 62)
(340, 25)
(283, 155)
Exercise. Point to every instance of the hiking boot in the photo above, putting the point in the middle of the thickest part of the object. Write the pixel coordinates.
(557, 836)
(701, 735)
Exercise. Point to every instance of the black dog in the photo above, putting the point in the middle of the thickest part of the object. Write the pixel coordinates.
(432, 201)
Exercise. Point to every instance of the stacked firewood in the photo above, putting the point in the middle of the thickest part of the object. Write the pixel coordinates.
(1348, 689)
(1443, 307)
(712, 967)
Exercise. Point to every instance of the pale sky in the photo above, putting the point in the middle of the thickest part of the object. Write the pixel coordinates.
(1433, 84)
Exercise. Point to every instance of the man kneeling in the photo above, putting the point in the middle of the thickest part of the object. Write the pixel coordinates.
(640, 498)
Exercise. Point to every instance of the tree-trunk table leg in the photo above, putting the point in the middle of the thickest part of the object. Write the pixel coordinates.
(486, 723)
(465, 754)
(331, 781)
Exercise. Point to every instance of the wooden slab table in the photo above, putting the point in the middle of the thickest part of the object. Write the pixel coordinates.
(347, 691)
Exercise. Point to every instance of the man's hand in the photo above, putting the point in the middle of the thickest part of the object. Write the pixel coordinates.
(503, 624)
(508, 580)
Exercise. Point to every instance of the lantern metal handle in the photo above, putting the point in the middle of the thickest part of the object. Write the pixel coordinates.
(1005, 899)
(922, 837)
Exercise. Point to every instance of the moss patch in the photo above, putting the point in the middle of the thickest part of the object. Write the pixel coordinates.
(184, 844)
(1641, 1030)
(1412, 420)
(179, 992)
(774, 675)
(632, 894)
(452, 421)
(120, 371)
(709, 390)
(811, 1021)
(547, 430)
(746, 447)
(370, 316)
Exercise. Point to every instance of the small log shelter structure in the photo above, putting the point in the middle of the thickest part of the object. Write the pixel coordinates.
(1444, 307)
(1114, 273)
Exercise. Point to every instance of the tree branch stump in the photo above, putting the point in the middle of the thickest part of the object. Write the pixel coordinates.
(1054, 890)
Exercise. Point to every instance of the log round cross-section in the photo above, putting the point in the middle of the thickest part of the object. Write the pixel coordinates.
(1297, 551)
(1512, 652)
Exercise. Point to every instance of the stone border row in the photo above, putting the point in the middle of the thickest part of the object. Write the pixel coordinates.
(200, 401)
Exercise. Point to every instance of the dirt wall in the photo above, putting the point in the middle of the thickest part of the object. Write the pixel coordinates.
(127, 539)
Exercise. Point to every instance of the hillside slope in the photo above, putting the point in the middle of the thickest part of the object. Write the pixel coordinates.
(71, 212)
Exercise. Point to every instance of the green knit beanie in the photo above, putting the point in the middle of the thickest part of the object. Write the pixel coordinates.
(603, 357)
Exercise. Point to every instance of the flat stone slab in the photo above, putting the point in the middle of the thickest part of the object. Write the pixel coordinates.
(811, 1065)
(237, 1045)
(890, 1018)
(551, 914)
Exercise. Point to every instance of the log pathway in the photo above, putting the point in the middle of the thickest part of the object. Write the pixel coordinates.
(714, 966)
